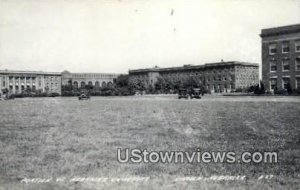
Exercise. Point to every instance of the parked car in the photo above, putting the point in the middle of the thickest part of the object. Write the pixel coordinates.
(84, 95)
(53, 94)
(195, 93)
(182, 93)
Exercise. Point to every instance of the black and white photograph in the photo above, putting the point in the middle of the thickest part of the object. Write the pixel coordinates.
(149, 94)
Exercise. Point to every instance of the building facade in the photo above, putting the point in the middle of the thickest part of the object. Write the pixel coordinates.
(214, 77)
(80, 80)
(281, 57)
(18, 81)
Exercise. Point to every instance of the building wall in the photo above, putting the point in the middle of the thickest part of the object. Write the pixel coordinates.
(219, 79)
(292, 58)
(52, 83)
(246, 76)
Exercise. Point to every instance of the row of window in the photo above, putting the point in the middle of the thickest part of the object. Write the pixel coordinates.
(22, 83)
(285, 82)
(47, 84)
(97, 84)
(285, 65)
(219, 86)
(285, 47)
(22, 88)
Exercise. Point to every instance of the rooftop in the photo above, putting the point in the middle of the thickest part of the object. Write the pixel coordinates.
(190, 67)
(280, 30)
(49, 73)
(28, 72)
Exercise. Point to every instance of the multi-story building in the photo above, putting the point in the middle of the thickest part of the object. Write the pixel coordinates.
(281, 57)
(18, 81)
(214, 77)
(92, 79)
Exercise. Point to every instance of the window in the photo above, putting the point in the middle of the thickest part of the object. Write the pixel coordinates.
(285, 65)
(297, 46)
(285, 47)
(273, 66)
(297, 66)
(298, 83)
(273, 83)
(285, 82)
(272, 49)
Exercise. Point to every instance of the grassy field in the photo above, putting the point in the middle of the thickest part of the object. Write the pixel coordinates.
(64, 137)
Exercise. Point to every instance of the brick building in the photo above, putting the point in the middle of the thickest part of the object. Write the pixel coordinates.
(214, 77)
(281, 57)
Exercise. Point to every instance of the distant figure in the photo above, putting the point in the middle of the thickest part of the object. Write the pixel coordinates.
(172, 12)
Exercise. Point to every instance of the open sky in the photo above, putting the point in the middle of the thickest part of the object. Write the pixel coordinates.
(117, 35)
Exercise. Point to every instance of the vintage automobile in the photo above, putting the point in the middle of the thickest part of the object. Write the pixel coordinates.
(84, 95)
(195, 93)
(183, 93)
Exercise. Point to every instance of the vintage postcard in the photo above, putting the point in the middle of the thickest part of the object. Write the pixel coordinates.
(149, 94)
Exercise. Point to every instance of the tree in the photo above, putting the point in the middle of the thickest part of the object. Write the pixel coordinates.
(289, 88)
(122, 81)
(191, 82)
(262, 88)
(160, 84)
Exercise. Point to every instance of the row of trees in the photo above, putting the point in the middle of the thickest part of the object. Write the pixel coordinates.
(125, 86)
(29, 92)
(165, 84)
(260, 89)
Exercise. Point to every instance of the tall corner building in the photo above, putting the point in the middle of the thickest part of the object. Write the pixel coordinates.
(281, 57)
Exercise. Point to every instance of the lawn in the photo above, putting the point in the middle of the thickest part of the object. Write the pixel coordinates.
(64, 137)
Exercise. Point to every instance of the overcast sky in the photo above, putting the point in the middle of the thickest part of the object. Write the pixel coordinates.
(117, 35)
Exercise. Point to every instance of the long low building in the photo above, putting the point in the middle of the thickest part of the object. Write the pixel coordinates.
(92, 79)
(215, 77)
(17, 82)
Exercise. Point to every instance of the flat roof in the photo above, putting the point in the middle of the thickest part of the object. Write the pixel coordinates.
(50, 73)
(28, 72)
(275, 31)
(191, 67)
(68, 72)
